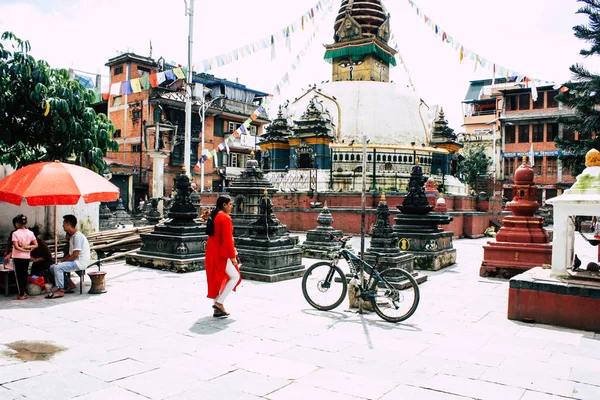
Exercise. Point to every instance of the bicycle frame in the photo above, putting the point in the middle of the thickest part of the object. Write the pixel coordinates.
(356, 265)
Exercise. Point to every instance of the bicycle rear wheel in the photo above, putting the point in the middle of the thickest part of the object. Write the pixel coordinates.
(324, 286)
(396, 296)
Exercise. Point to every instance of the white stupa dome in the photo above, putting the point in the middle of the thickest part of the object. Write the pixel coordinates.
(388, 114)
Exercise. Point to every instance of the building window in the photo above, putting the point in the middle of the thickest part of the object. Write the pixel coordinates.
(235, 160)
(524, 101)
(119, 70)
(346, 157)
(539, 103)
(551, 132)
(569, 134)
(117, 134)
(143, 70)
(537, 134)
(523, 133)
(117, 101)
(509, 167)
(511, 103)
(378, 157)
(583, 136)
(551, 165)
(537, 166)
(136, 148)
(335, 157)
(358, 157)
(369, 157)
(509, 134)
(550, 95)
(351, 157)
(136, 114)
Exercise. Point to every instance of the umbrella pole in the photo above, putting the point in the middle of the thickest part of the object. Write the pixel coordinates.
(55, 234)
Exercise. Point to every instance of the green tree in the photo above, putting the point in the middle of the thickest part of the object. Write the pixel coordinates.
(46, 116)
(474, 162)
(582, 93)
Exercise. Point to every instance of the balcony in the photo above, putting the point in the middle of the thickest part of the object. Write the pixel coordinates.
(245, 109)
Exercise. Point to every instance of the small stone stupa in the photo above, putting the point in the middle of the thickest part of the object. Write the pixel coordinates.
(246, 192)
(384, 241)
(106, 217)
(318, 243)
(179, 243)
(121, 217)
(418, 231)
(522, 243)
(268, 253)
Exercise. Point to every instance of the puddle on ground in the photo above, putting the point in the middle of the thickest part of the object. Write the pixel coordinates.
(32, 351)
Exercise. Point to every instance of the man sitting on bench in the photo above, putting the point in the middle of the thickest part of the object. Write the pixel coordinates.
(78, 257)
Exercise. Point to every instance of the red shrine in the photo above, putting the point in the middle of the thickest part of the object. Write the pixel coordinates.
(522, 243)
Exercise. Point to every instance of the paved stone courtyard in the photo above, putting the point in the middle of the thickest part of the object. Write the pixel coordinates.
(152, 335)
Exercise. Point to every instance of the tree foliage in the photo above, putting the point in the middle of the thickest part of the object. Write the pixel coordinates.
(474, 163)
(46, 116)
(582, 93)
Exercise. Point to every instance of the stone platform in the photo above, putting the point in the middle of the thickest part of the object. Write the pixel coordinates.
(432, 251)
(510, 258)
(271, 265)
(536, 296)
(166, 263)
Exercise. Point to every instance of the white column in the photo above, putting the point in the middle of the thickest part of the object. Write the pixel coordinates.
(562, 246)
(158, 175)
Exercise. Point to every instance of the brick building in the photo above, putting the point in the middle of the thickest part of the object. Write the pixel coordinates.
(138, 117)
(504, 117)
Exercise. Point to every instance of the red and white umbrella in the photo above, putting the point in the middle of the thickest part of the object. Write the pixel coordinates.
(56, 183)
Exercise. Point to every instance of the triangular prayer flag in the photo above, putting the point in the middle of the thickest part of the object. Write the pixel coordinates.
(160, 77)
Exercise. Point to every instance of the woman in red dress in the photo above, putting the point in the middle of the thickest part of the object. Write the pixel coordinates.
(221, 263)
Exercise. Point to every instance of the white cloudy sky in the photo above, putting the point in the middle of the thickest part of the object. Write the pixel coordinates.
(533, 37)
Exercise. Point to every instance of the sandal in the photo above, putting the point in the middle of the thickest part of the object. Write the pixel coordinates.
(54, 296)
(219, 309)
(220, 314)
(17, 297)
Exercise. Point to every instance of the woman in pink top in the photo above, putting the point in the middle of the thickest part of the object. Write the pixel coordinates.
(23, 242)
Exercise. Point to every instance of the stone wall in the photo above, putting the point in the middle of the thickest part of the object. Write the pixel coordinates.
(298, 211)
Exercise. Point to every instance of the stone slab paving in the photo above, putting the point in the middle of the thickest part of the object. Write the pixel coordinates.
(152, 336)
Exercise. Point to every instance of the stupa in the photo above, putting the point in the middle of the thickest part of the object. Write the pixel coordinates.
(417, 228)
(559, 296)
(179, 243)
(268, 253)
(318, 243)
(246, 192)
(384, 245)
(522, 243)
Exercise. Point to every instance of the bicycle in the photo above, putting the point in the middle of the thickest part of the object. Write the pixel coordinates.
(394, 293)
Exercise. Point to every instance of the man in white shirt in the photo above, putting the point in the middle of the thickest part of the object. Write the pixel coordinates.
(78, 257)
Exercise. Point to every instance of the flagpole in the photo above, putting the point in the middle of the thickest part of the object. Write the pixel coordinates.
(188, 100)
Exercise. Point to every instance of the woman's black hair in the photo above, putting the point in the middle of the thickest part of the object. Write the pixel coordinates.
(221, 201)
(20, 219)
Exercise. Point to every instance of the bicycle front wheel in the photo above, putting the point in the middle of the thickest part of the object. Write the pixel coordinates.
(324, 286)
(396, 295)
